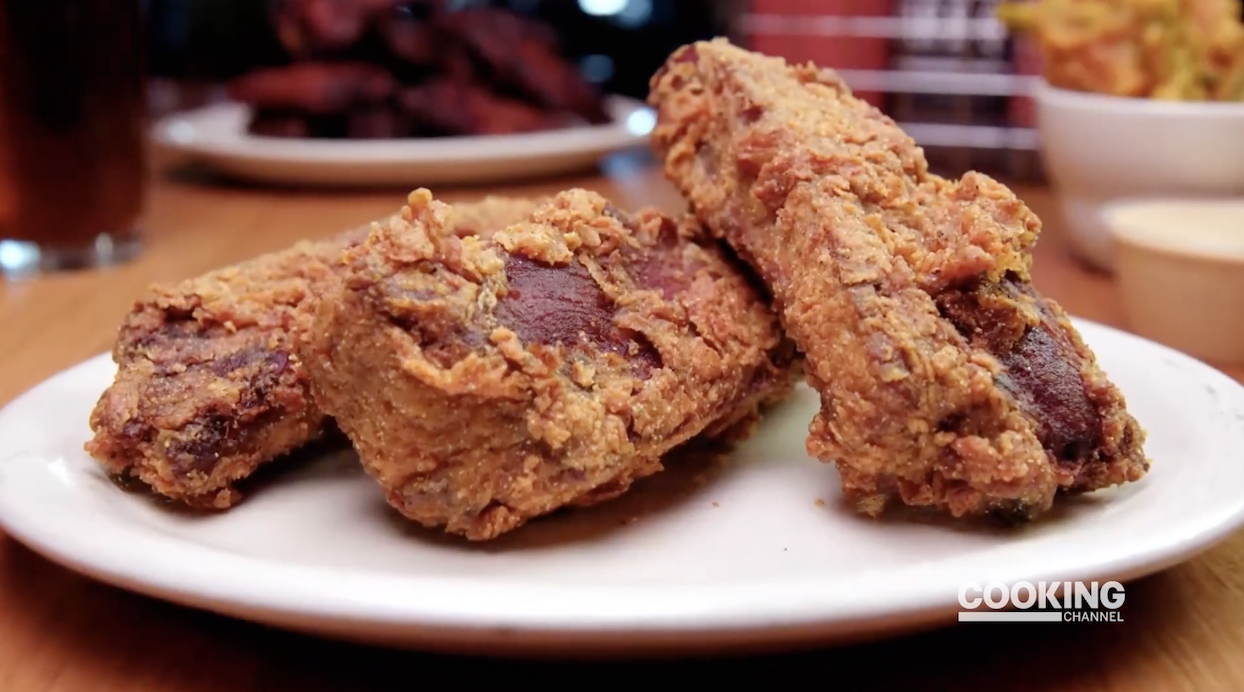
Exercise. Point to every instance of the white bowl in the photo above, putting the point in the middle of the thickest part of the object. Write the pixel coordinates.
(1102, 148)
(1180, 265)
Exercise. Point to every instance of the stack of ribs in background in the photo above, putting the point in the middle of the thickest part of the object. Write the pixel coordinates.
(390, 69)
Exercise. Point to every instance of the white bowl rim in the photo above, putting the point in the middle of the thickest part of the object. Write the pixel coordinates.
(1044, 91)
(1120, 234)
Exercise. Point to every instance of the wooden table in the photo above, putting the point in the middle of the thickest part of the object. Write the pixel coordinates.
(1184, 628)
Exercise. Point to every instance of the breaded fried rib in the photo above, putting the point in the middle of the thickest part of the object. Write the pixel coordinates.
(485, 382)
(208, 387)
(946, 379)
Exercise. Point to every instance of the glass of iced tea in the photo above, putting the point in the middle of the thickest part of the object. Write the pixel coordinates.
(72, 134)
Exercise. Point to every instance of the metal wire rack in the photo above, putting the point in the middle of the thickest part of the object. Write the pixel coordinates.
(946, 70)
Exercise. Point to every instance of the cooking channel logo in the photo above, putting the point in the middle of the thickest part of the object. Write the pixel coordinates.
(1055, 601)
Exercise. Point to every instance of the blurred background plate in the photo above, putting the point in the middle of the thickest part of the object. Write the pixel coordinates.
(216, 135)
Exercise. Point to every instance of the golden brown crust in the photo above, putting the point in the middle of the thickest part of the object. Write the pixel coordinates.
(208, 387)
(485, 382)
(946, 380)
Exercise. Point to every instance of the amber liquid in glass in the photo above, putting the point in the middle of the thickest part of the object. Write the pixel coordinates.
(72, 132)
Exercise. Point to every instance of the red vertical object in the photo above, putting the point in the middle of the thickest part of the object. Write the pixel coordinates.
(839, 52)
(783, 45)
(1027, 63)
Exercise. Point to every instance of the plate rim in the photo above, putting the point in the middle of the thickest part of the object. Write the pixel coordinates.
(253, 149)
(292, 590)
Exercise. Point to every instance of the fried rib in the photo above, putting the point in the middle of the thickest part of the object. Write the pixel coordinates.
(487, 382)
(208, 387)
(946, 379)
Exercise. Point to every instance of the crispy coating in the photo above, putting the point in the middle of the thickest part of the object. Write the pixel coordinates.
(485, 382)
(946, 379)
(208, 386)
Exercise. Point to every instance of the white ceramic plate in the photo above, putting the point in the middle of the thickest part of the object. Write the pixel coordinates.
(756, 551)
(217, 136)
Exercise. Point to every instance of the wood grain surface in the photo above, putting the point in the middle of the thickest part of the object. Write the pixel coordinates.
(1184, 628)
